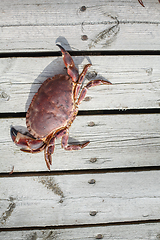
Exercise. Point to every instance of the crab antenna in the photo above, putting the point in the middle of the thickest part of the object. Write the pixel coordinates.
(69, 63)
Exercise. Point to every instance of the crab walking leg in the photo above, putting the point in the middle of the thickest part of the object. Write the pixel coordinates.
(48, 151)
(69, 63)
(80, 80)
(65, 145)
(89, 85)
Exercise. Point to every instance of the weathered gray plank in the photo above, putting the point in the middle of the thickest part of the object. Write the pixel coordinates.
(71, 199)
(146, 231)
(116, 141)
(135, 81)
(111, 25)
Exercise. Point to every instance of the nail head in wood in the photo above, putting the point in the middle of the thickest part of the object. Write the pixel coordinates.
(93, 213)
(4, 96)
(87, 99)
(84, 37)
(99, 236)
(83, 8)
(91, 124)
(91, 74)
(93, 160)
(92, 181)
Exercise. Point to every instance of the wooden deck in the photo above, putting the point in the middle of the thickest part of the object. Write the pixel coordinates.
(110, 189)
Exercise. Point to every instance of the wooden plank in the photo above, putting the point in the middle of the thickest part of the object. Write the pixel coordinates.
(116, 141)
(72, 199)
(113, 25)
(146, 231)
(135, 81)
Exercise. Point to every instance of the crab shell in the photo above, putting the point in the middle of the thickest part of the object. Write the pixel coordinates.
(53, 107)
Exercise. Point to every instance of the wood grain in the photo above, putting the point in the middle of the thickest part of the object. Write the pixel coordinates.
(146, 231)
(110, 189)
(72, 200)
(116, 141)
(111, 25)
(135, 81)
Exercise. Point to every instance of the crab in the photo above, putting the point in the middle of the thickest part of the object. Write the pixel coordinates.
(141, 2)
(52, 111)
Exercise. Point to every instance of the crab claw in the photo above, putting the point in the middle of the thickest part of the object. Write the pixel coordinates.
(27, 144)
(69, 63)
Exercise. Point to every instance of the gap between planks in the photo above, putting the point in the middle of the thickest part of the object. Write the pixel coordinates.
(93, 112)
(79, 172)
(81, 53)
(125, 223)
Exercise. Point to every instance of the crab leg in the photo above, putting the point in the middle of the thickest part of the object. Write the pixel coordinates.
(27, 143)
(65, 145)
(68, 61)
(89, 85)
(48, 151)
(80, 80)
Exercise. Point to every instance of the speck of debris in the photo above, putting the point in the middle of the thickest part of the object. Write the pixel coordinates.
(149, 71)
(61, 200)
(158, 236)
(49, 183)
(11, 170)
(32, 236)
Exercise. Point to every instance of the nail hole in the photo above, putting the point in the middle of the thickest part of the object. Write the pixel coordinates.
(92, 181)
(99, 236)
(93, 160)
(84, 37)
(93, 213)
(83, 8)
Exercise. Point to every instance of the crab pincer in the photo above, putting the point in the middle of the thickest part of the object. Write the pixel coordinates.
(69, 63)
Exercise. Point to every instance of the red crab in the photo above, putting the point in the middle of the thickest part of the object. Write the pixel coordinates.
(52, 111)
(140, 1)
